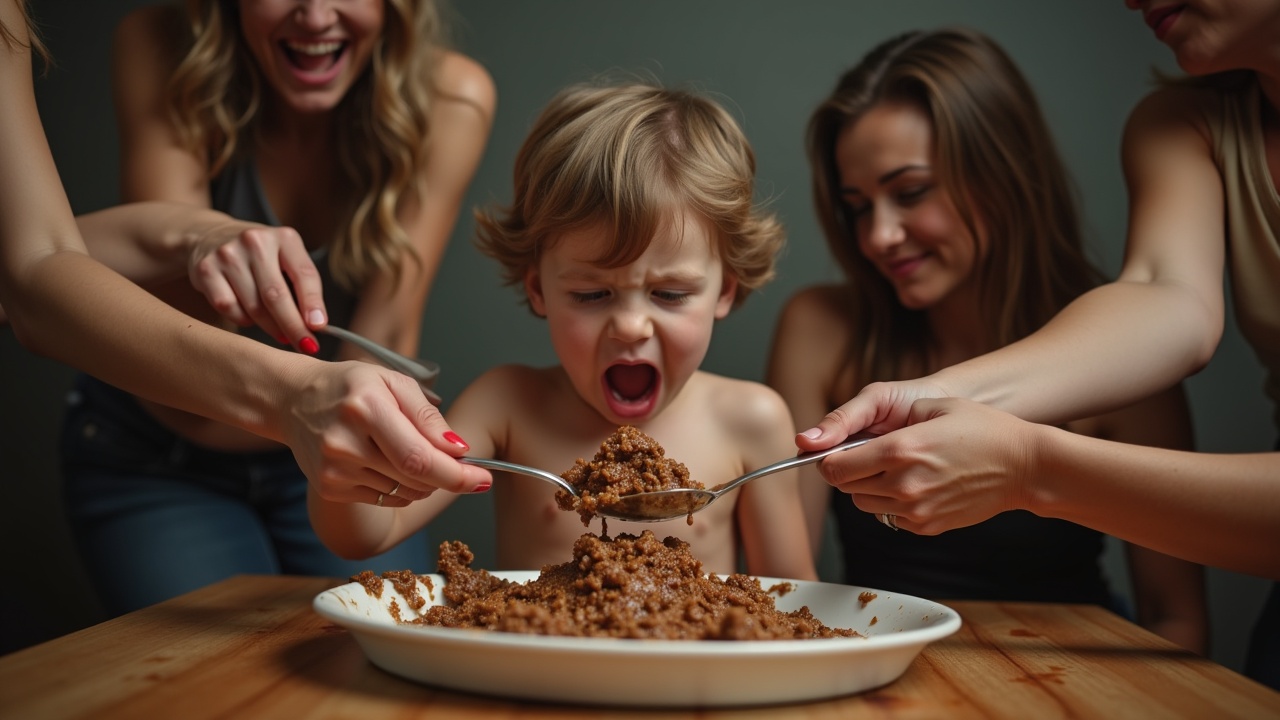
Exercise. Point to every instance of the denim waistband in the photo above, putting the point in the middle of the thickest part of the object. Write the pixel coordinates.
(113, 405)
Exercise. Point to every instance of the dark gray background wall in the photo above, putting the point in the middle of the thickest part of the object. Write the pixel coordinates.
(770, 62)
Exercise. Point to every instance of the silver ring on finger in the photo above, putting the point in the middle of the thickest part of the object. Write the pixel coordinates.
(383, 496)
(889, 521)
(393, 490)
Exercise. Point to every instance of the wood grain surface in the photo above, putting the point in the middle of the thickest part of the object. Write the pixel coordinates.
(251, 647)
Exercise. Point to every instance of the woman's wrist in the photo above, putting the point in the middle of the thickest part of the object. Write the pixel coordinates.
(1043, 457)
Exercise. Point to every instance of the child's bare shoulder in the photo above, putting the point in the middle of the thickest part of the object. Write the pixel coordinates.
(746, 407)
(508, 378)
(510, 387)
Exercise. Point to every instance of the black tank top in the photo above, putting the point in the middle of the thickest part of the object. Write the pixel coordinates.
(1016, 556)
(237, 191)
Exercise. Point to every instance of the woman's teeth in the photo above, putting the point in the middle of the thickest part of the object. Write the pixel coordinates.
(314, 49)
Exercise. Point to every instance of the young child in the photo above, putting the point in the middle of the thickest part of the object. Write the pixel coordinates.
(633, 230)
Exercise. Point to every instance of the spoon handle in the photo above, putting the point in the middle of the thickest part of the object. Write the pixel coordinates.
(424, 373)
(414, 369)
(801, 459)
(504, 466)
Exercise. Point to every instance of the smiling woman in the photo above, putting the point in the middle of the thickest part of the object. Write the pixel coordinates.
(349, 130)
(943, 198)
(307, 58)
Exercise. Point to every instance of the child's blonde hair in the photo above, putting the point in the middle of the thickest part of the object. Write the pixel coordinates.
(631, 157)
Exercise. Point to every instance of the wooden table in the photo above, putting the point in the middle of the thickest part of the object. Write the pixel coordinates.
(251, 647)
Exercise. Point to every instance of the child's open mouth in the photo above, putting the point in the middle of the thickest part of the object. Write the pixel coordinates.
(314, 57)
(631, 390)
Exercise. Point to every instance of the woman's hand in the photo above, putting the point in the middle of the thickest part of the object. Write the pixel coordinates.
(241, 269)
(955, 464)
(360, 431)
(880, 408)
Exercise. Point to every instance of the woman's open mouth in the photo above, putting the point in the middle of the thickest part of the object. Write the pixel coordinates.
(631, 390)
(315, 61)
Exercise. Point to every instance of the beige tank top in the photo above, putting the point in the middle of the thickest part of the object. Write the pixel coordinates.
(1253, 222)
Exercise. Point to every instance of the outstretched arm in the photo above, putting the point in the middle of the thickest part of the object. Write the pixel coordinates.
(238, 267)
(1157, 323)
(355, 428)
(958, 463)
(1169, 594)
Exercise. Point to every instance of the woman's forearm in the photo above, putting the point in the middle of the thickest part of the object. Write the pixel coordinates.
(149, 242)
(1214, 509)
(71, 308)
(1113, 346)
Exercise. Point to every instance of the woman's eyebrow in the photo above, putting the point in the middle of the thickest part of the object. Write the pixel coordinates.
(885, 178)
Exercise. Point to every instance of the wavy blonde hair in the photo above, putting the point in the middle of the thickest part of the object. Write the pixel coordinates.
(995, 159)
(215, 98)
(631, 157)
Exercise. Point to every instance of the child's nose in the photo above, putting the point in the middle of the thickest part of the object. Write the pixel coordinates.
(630, 325)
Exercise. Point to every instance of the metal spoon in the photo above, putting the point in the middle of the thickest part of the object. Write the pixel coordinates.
(543, 475)
(533, 472)
(425, 371)
(670, 504)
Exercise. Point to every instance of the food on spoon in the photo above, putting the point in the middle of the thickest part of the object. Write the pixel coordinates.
(628, 462)
(627, 587)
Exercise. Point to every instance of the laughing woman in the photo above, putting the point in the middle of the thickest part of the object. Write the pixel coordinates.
(346, 120)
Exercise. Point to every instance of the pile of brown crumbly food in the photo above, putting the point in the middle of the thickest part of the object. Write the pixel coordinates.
(626, 587)
(628, 462)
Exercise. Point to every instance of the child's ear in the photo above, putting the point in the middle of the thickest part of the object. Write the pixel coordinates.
(533, 291)
(728, 293)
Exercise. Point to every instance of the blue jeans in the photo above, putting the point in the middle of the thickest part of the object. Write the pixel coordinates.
(155, 516)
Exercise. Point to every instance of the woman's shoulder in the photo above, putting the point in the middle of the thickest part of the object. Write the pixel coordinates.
(1176, 104)
(816, 317)
(818, 305)
(461, 78)
(156, 30)
(152, 24)
(1172, 127)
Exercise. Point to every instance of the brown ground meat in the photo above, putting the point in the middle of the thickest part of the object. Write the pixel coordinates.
(628, 462)
(627, 587)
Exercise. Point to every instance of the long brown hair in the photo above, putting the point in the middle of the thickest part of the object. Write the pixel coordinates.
(215, 96)
(996, 160)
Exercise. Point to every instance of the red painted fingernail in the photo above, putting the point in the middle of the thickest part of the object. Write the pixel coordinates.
(482, 487)
(452, 437)
(282, 340)
(309, 346)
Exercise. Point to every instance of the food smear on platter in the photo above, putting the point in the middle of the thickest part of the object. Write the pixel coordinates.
(631, 586)
(628, 462)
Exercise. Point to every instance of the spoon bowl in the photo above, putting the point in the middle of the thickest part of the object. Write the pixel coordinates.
(661, 505)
